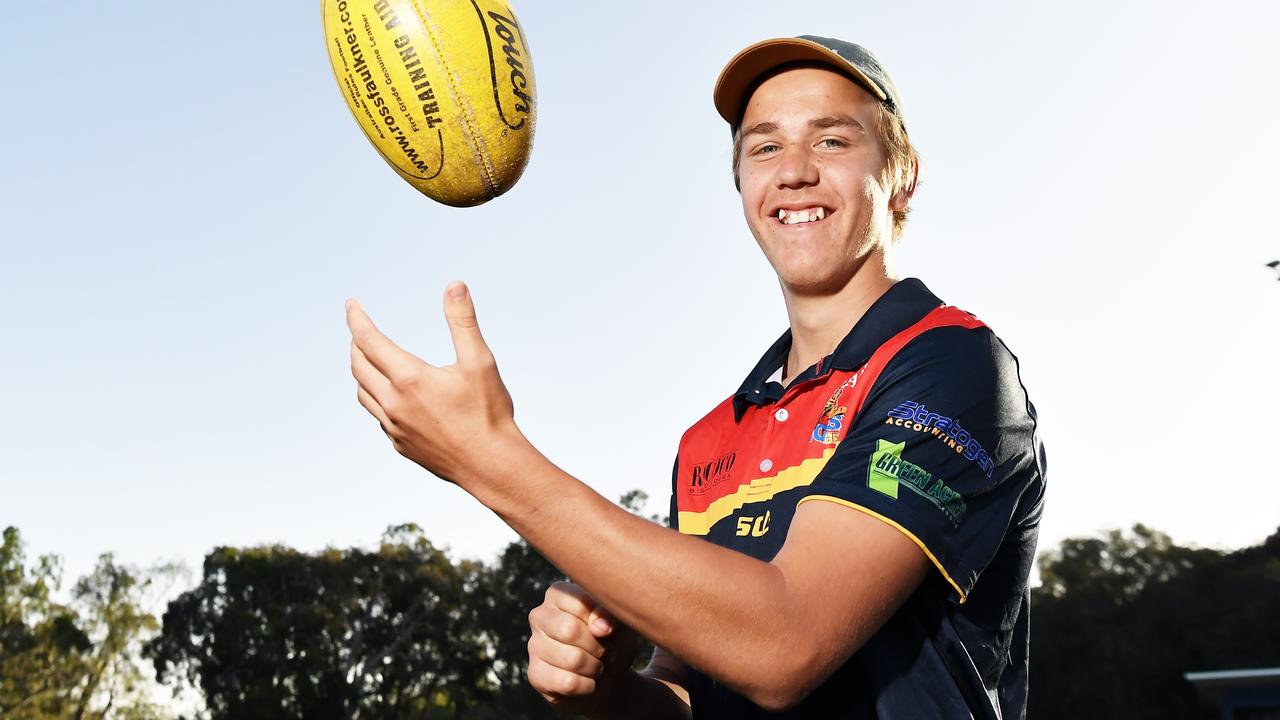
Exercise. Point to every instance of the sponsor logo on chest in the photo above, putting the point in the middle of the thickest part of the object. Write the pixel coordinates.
(710, 473)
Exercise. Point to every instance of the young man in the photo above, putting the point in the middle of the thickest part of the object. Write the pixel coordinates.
(856, 524)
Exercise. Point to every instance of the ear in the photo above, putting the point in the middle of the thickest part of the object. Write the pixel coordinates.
(902, 198)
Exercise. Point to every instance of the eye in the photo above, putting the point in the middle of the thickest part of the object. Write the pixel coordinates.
(832, 143)
(766, 149)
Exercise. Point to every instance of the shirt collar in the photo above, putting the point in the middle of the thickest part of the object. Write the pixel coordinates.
(900, 307)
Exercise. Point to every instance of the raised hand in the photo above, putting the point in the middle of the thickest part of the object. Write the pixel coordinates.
(451, 420)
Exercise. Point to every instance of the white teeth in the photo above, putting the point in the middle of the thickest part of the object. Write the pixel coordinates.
(801, 216)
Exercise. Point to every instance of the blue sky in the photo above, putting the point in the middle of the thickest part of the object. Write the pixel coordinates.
(188, 202)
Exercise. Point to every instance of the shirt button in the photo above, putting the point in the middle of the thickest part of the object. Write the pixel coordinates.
(781, 415)
(766, 465)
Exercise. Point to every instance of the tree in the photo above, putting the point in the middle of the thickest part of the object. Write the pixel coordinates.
(403, 632)
(511, 588)
(41, 644)
(77, 659)
(271, 632)
(115, 610)
(1119, 619)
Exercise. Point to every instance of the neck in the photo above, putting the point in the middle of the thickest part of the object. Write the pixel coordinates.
(820, 321)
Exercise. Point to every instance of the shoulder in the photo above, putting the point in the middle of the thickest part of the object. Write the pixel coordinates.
(961, 385)
(968, 365)
(711, 425)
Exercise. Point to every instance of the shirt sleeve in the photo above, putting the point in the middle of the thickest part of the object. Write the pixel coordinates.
(944, 449)
(673, 514)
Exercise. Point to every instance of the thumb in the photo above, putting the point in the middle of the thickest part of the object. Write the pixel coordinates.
(601, 622)
(460, 312)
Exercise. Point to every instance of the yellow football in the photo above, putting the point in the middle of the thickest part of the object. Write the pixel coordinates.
(442, 88)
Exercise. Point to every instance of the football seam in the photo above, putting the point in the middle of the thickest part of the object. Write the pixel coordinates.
(473, 136)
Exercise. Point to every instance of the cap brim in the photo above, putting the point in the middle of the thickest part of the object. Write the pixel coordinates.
(741, 73)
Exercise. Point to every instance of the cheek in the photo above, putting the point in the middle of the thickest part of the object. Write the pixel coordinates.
(752, 193)
(750, 184)
(874, 192)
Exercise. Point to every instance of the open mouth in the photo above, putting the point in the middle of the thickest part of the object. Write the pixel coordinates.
(802, 216)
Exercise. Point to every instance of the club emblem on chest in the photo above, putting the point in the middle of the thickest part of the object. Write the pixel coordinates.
(831, 422)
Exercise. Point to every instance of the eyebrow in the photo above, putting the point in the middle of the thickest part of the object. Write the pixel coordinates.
(831, 121)
(763, 128)
(822, 123)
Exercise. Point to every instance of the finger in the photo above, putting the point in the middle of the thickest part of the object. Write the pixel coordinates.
(374, 408)
(564, 628)
(566, 657)
(550, 680)
(575, 601)
(570, 598)
(602, 622)
(368, 376)
(390, 360)
(460, 312)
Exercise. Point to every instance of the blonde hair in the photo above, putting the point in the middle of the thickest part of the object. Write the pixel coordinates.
(901, 167)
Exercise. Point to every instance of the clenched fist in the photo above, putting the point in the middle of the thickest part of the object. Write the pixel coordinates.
(577, 650)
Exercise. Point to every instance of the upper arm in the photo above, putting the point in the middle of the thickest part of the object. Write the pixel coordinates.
(944, 451)
(937, 466)
(845, 574)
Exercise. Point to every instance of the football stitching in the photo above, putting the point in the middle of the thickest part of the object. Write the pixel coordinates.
(473, 137)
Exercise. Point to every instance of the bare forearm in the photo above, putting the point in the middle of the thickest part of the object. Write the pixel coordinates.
(768, 630)
(657, 581)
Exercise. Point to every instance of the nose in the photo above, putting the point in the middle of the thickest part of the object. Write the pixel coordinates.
(799, 168)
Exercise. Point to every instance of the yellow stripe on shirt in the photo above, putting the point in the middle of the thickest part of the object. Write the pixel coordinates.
(904, 531)
(758, 490)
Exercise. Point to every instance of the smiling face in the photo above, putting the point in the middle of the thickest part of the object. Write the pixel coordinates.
(811, 168)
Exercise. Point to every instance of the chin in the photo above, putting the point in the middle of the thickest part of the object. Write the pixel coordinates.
(817, 281)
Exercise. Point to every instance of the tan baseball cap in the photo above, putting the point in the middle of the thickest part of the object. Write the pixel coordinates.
(739, 77)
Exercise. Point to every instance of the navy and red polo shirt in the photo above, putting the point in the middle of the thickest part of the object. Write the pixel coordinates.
(918, 418)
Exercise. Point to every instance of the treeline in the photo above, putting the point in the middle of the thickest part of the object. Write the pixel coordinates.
(1118, 620)
(77, 658)
(403, 631)
(398, 632)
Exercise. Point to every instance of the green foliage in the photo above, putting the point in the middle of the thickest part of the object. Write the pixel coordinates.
(78, 659)
(1118, 620)
(115, 604)
(405, 632)
(515, 585)
(402, 632)
(41, 644)
(272, 632)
